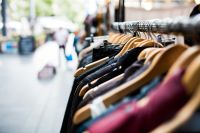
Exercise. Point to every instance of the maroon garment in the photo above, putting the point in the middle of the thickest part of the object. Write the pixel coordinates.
(164, 101)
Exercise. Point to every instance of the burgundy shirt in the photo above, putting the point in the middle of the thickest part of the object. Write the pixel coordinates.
(164, 101)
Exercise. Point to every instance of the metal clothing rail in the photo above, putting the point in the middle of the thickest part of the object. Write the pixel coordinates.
(180, 25)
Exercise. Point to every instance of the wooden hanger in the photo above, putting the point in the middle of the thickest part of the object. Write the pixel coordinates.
(80, 71)
(184, 60)
(93, 64)
(86, 88)
(110, 34)
(128, 46)
(192, 75)
(112, 37)
(150, 43)
(150, 52)
(120, 39)
(123, 42)
(145, 52)
(83, 92)
(123, 51)
(137, 43)
(88, 92)
(89, 66)
(123, 38)
(158, 66)
(132, 44)
(125, 45)
(117, 39)
(151, 55)
(190, 59)
(155, 50)
(186, 112)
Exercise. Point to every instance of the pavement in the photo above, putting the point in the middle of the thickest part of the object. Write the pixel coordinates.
(28, 105)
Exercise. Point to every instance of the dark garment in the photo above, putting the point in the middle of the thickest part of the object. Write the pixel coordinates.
(191, 125)
(101, 52)
(121, 62)
(102, 90)
(106, 77)
(135, 69)
(94, 69)
(134, 75)
(118, 63)
(86, 60)
(95, 75)
(67, 122)
(141, 94)
(98, 53)
(105, 51)
(160, 107)
(68, 117)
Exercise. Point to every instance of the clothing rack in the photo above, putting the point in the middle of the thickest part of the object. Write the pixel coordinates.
(180, 25)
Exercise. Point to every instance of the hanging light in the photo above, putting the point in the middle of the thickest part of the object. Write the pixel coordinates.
(197, 1)
(147, 5)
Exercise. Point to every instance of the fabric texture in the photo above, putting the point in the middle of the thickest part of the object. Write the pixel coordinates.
(135, 67)
(141, 94)
(124, 61)
(133, 117)
(86, 60)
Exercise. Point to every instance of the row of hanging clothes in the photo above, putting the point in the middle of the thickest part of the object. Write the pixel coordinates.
(125, 83)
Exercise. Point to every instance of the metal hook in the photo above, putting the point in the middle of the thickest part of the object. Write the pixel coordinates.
(152, 30)
(146, 26)
(142, 28)
(149, 30)
(130, 28)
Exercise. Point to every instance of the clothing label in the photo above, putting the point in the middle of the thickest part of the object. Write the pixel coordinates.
(97, 107)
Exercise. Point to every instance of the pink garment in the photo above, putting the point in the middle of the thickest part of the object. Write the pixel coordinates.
(164, 101)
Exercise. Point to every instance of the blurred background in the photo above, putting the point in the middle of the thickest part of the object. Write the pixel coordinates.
(40, 42)
(42, 19)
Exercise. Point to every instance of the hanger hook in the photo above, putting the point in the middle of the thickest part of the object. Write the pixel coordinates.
(130, 28)
(152, 31)
(143, 29)
(146, 27)
(137, 29)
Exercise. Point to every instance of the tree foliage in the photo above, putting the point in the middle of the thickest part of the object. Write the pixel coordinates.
(72, 9)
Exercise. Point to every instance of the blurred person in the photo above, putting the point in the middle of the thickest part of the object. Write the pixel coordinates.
(70, 53)
(76, 41)
(49, 37)
(61, 36)
(89, 25)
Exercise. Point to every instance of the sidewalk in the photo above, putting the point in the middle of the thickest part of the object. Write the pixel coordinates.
(26, 104)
